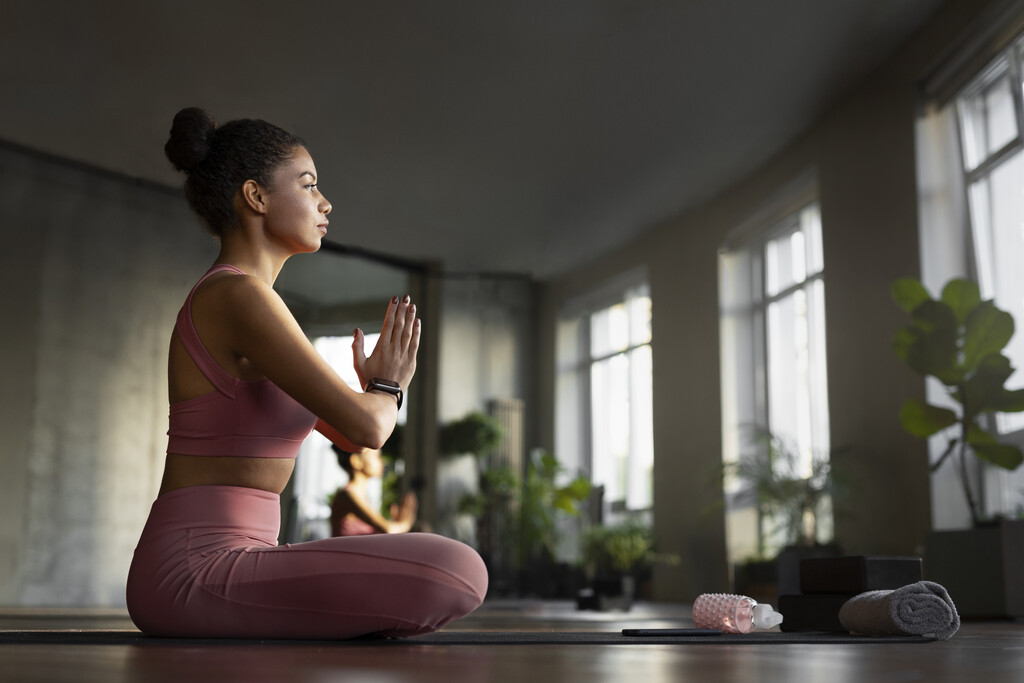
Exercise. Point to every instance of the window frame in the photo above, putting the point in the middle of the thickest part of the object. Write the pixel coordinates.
(749, 311)
(1009, 61)
(577, 314)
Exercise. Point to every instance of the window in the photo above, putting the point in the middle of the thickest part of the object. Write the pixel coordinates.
(604, 409)
(991, 117)
(772, 293)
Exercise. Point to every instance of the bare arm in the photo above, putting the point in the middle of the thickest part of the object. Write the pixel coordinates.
(259, 327)
(355, 504)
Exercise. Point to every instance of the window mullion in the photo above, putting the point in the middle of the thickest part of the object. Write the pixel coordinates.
(1017, 92)
(586, 397)
(789, 291)
(995, 159)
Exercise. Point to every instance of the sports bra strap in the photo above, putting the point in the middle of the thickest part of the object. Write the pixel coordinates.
(220, 379)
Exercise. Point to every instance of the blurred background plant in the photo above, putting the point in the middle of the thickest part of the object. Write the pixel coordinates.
(958, 339)
(792, 491)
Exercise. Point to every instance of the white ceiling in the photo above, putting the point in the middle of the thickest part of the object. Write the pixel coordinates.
(524, 136)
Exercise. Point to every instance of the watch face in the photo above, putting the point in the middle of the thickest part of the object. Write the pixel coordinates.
(387, 386)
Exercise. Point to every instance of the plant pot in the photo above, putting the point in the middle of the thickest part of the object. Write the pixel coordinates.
(982, 568)
(608, 593)
(788, 564)
(758, 579)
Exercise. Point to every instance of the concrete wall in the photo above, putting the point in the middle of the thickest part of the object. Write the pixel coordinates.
(94, 268)
(863, 156)
(485, 352)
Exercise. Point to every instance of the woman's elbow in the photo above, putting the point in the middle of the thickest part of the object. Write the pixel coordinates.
(376, 430)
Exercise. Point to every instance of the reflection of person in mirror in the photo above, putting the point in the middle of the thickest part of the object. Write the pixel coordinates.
(351, 512)
(246, 388)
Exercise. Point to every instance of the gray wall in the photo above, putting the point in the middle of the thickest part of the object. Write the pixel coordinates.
(485, 327)
(864, 158)
(94, 268)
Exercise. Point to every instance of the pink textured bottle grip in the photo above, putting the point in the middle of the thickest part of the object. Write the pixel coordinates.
(724, 611)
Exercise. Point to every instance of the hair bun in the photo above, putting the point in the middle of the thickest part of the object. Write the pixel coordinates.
(191, 136)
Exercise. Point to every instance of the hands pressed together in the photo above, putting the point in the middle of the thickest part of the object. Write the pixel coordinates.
(406, 512)
(394, 356)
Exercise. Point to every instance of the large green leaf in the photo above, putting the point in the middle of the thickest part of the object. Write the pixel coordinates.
(984, 390)
(922, 419)
(986, 447)
(1001, 454)
(1011, 401)
(962, 296)
(976, 436)
(986, 330)
(933, 350)
(934, 315)
(909, 293)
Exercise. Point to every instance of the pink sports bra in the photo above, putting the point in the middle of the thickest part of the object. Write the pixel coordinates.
(255, 419)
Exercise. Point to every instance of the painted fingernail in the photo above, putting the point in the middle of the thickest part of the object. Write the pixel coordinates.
(406, 298)
(394, 299)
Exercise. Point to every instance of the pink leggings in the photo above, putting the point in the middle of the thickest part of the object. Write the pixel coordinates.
(208, 565)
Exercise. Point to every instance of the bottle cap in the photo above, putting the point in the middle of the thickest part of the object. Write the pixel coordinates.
(765, 617)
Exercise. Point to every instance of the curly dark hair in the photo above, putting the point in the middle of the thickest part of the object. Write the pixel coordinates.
(217, 160)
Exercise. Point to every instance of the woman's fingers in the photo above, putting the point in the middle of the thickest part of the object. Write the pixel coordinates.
(414, 339)
(401, 322)
(358, 350)
(394, 356)
(389, 319)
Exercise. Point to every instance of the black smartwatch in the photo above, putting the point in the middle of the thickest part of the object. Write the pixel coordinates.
(387, 386)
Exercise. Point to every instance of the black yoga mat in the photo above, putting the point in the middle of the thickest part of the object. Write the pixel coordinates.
(130, 637)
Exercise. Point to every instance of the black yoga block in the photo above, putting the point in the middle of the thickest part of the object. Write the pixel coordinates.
(857, 574)
(811, 612)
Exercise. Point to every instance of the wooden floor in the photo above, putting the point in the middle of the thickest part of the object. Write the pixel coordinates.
(982, 651)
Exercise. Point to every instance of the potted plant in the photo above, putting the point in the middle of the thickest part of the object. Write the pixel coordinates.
(474, 433)
(518, 519)
(543, 501)
(493, 508)
(613, 558)
(791, 496)
(958, 339)
(464, 446)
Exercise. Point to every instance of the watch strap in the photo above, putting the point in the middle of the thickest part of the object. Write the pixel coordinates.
(387, 386)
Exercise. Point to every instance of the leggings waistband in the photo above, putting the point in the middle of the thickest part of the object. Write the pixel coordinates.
(221, 507)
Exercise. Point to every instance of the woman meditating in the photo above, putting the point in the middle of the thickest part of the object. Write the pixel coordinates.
(351, 511)
(246, 388)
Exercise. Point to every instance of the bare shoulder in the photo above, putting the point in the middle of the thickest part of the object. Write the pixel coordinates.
(240, 288)
(236, 296)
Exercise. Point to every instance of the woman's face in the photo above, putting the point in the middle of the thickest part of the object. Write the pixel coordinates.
(296, 212)
(368, 462)
(373, 465)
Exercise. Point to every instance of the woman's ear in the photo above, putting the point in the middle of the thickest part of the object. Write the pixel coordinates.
(356, 462)
(253, 196)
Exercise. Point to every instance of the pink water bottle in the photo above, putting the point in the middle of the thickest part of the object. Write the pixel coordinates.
(733, 613)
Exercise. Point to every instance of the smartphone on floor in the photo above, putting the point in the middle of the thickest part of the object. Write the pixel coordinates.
(669, 632)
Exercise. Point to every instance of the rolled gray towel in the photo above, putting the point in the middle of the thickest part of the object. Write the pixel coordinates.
(922, 608)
